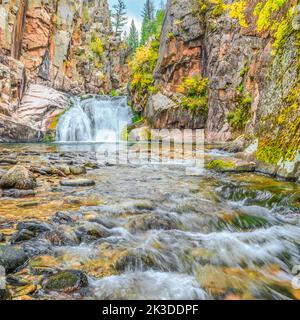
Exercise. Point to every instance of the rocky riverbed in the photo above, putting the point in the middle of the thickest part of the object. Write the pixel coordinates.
(76, 225)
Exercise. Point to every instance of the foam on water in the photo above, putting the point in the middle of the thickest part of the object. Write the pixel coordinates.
(149, 285)
(96, 119)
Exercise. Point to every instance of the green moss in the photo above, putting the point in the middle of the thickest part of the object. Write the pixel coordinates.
(239, 118)
(266, 13)
(62, 281)
(113, 93)
(244, 71)
(282, 140)
(220, 165)
(85, 14)
(51, 129)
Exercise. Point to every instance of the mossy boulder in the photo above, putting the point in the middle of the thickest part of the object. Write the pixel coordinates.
(18, 177)
(66, 281)
(231, 166)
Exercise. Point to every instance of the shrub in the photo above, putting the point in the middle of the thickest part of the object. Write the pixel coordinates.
(195, 91)
(142, 66)
(97, 47)
(240, 116)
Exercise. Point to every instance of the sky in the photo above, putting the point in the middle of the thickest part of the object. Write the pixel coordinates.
(134, 9)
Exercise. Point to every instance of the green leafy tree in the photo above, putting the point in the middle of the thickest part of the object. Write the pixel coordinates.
(133, 37)
(119, 18)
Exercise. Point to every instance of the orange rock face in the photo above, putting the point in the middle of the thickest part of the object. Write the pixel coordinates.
(179, 61)
(53, 41)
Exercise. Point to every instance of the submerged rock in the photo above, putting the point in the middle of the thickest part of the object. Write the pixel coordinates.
(11, 258)
(34, 226)
(8, 161)
(2, 172)
(62, 237)
(15, 193)
(91, 230)
(136, 259)
(77, 183)
(43, 265)
(18, 177)
(144, 223)
(37, 247)
(64, 168)
(66, 217)
(66, 281)
(22, 235)
(77, 170)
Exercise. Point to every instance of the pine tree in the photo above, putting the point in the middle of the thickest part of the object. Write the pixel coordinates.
(119, 18)
(148, 18)
(148, 11)
(133, 37)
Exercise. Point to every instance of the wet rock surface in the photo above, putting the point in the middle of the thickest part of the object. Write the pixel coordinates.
(18, 177)
(11, 258)
(15, 193)
(66, 281)
(77, 183)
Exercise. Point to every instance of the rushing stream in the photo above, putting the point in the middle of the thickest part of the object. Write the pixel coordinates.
(148, 231)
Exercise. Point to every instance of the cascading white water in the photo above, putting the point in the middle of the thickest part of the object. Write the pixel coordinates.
(96, 119)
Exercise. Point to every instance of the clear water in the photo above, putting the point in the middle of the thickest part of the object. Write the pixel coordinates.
(170, 235)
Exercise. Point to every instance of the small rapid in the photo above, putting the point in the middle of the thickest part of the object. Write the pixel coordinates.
(94, 119)
(153, 231)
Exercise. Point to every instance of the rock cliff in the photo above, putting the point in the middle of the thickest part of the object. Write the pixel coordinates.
(67, 45)
(249, 53)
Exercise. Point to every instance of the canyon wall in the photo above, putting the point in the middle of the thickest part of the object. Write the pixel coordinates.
(67, 45)
(249, 52)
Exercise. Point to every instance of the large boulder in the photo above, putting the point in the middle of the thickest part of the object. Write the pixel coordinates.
(166, 112)
(18, 177)
(40, 105)
(66, 281)
(12, 130)
(11, 258)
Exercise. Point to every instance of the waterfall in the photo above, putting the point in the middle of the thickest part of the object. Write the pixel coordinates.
(95, 119)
